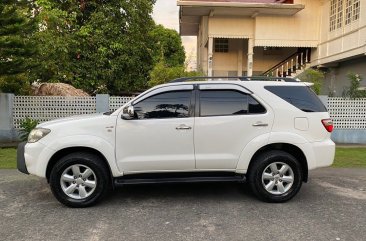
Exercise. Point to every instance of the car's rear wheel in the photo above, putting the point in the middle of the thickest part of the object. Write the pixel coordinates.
(275, 176)
(79, 180)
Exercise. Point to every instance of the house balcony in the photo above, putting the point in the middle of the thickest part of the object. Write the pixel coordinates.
(191, 11)
(238, 57)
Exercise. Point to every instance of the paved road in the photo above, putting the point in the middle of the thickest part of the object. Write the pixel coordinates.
(331, 207)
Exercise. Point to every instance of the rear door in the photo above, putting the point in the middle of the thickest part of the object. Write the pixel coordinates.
(228, 117)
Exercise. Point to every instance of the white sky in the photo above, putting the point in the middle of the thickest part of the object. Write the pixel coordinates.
(166, 12)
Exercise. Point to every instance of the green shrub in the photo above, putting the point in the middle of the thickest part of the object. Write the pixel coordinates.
(353, 90)
(27, 126)
(313, 76)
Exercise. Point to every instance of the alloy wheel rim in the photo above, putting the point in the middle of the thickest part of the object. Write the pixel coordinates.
(277, 178)
(78, 181)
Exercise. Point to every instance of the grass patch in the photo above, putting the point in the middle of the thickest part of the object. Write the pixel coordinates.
(350, 157)
(8, 158)
(345, 157)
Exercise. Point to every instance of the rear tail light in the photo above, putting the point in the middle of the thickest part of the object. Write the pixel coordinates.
(328, 124)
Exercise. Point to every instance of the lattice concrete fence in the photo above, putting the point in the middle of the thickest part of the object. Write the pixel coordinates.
(45, 108)
(347, 114)
(349, 117)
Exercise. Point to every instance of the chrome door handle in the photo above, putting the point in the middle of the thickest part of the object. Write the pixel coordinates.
(183, 127)
(260, 124)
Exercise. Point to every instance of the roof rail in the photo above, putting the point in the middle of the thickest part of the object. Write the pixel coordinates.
(240, 78)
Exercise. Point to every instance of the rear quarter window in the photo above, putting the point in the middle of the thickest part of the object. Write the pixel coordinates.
(302, 97)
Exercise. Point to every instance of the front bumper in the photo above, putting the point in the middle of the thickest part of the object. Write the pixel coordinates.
(22, 167)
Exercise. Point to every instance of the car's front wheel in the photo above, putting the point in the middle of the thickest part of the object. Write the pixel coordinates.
(275, 176)
(79, 179)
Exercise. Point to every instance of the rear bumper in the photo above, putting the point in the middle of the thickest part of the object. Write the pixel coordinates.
(319, 154)
(22, 167)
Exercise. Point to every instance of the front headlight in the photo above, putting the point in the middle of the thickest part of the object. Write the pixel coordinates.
(37, 134)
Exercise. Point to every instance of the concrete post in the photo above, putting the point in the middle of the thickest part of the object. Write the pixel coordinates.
(210, 56)
(7, 131)
(102, 103)
(250, 57)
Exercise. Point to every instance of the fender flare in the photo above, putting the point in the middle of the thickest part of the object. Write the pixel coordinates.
(264, 140)
(96, 143)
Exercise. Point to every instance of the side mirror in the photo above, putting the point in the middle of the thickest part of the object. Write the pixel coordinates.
(128, 113)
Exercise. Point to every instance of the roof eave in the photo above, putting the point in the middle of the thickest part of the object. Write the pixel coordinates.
(240, 5)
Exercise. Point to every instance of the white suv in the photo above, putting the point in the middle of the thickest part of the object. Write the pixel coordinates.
(269, 133)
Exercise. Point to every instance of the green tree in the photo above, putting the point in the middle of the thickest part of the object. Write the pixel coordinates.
(114, 47)
(96, 45)
(57, 21)
(16, 49)
(167, 44)
(162, 73)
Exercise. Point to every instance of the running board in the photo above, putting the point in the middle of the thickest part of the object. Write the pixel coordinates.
(132, 181)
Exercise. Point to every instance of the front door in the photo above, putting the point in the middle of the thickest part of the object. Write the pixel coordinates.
(160, 137)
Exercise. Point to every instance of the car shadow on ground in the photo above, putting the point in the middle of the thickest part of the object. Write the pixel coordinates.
(199, 191)
(37, 192)
(178, 192)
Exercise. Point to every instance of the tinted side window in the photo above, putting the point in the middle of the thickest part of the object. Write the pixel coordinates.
(254, 106)
(173, 104)
(301, 97)
(227, 102)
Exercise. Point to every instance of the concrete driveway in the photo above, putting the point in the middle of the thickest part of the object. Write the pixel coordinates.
(332, 206)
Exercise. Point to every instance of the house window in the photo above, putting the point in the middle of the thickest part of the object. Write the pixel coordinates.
(221, 45)
(352, 11)
(340, 13)
(333, 15)
(343, 12)
(349, 5)
(336, 14)
(356, 10)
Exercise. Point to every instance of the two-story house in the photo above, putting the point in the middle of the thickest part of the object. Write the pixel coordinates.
(278, 37)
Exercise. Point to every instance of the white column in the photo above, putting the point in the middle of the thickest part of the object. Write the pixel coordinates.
(240, 58)
(209, 57)
(250, 57)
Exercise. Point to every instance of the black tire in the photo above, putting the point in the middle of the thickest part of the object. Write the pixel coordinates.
(258, 166)
(96, 164)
